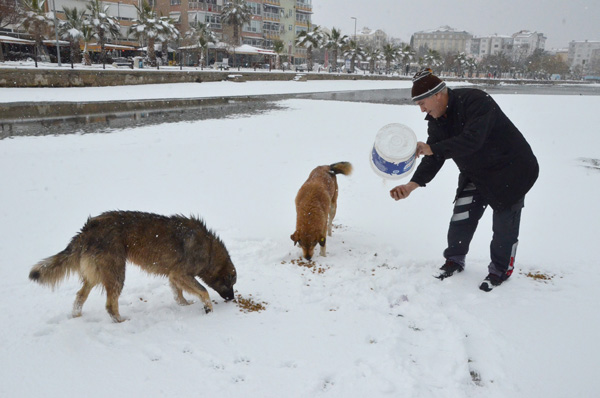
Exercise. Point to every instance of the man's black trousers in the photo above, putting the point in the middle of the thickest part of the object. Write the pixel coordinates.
(468, 210)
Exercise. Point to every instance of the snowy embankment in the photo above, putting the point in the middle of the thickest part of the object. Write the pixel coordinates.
(367, 320)
(190, 90)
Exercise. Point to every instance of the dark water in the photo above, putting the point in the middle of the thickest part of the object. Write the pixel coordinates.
(110, 122)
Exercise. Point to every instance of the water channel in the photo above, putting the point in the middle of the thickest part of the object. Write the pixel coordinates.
(110, 122)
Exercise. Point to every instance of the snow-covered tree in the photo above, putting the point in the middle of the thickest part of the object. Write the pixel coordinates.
(71, 29)
(310, 39)
(372, 55)
(390, 54)
(236, 13)
(201, 35)
(102, 25)
(37, 22)
(9, 15)
(432, 59)
(87, 36)
(354, 52)
(335, 42)
(147, 29)
(167, 34)
(278, 47)
(406, 54)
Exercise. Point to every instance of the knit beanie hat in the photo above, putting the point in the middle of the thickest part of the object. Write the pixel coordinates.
(425, 84)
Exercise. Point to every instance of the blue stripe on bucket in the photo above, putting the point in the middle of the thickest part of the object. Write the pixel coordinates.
(389, 167)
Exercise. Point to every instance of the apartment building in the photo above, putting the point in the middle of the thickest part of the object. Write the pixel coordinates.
(271, 20)
(493, 45)
(582, 54)
(525, 43)
(443, 40)
(368, 38)
(123, 10)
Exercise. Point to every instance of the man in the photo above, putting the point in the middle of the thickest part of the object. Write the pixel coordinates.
(497, 168)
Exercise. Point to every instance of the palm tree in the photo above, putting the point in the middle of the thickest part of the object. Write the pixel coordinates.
(102, 25)
(335, 42)
(372, 55)
(432, 59)
(71, 29)
(201, 35)
(147, 28)
(354, 52)
(309, 39)
(87, 36)
(37, 23)
(169, 33)
(236, 13)
(389, 53)
(278, 47)
(407, 54)
(461, 62)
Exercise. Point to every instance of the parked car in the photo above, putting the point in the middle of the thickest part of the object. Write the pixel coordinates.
(221, 65)
(301, 68)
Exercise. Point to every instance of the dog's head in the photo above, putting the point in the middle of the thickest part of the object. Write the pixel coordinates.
(308, 242)
(224, 276)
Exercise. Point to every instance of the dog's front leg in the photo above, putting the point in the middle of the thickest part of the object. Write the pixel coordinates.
(192, 286)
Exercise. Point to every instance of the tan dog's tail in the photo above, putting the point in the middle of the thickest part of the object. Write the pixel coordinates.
(52, 270)
(344, 168)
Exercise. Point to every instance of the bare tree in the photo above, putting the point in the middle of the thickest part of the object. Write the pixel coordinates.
(38, 23)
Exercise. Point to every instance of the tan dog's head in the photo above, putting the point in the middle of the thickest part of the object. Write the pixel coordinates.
(307, 242)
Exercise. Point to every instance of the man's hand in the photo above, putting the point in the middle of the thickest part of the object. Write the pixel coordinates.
(423, 149)
(402, 191)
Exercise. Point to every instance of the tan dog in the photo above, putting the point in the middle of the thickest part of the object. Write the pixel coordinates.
(316, 205)
(177, 247)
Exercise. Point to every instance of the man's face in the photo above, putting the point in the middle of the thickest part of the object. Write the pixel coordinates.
(434, 105)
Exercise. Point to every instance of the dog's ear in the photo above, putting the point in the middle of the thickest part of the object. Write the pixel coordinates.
(294, 237)
(322, 242)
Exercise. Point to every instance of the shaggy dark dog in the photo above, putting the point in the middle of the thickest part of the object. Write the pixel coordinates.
(177, 247)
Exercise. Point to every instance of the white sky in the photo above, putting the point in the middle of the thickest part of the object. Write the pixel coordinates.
(558, 20)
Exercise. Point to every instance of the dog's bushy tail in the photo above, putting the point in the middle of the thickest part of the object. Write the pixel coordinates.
(52, 270)
(344, 168)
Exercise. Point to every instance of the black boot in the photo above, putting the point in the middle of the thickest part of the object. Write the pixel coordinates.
(449, 268)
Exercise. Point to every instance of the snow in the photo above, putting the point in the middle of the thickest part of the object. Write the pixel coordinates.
(367, 320)
(191, 90)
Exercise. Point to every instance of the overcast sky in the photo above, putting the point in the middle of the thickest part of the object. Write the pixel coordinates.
(559, 20)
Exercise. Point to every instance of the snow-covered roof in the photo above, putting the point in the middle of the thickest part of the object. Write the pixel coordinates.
(15, 40)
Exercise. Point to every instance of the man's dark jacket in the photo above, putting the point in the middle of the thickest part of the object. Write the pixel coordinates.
(485, 145)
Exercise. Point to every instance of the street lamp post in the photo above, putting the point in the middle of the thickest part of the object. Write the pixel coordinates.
(354, 27)
(56, 32)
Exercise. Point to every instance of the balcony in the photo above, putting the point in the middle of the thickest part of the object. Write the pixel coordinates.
(195, 5)
(271, 16)
(271, 35)
(304, 6)
(273, 2)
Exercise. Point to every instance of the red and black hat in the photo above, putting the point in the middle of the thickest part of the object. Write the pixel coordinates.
(426, 84)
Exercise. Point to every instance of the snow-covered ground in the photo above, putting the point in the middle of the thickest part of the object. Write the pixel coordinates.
(368, 320)
(191, 90)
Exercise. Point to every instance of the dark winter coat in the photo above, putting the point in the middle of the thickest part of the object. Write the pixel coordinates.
(485, 145)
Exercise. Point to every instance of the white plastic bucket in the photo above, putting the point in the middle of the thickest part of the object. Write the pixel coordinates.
(393, 154)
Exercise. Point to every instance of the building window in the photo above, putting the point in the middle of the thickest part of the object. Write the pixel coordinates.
(253, 26)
